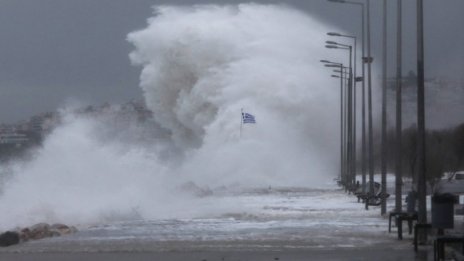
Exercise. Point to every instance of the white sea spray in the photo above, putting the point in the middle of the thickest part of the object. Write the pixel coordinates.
(200, 66)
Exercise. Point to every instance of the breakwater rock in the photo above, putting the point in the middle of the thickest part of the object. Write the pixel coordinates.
(35, 232)
(9, 238)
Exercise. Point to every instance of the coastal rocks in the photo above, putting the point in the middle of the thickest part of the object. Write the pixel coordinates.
(62, 229)
(43, 230)
(9, 238)
(35, 232)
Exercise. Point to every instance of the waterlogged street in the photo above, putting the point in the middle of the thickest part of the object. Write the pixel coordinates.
(292, 223)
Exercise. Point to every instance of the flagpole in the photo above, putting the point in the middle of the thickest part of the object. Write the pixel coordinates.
(241, 122)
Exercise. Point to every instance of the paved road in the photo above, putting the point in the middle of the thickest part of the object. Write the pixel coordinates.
(370, 254)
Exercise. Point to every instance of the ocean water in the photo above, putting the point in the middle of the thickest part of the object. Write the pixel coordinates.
(272, 218)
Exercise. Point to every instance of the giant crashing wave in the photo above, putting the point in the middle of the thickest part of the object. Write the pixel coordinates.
(201, 66)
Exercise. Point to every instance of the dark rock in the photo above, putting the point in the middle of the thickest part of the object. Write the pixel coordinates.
(9, 238)
(40, 231)
(25, 234)
(61, 229)
(44, 230)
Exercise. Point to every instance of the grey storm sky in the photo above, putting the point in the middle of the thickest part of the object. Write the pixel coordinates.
(56, 51)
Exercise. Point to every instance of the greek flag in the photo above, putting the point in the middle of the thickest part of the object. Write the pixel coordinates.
(248, 118)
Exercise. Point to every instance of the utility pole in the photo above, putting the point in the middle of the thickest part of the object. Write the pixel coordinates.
(365, 60)
(422, 190)
(342, 161)
(353, 80)
(369, 103)
(350, 119)
(398, 153)
(383, 207)
(363, 107)
(345, 142)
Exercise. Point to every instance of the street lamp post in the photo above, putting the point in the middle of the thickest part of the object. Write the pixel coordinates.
(398, 156)
(369, 103)
(342, 154)
(383, 157)
(363, 108)
(354, 100)
(350, 167)
(421, 185)
(346, 151)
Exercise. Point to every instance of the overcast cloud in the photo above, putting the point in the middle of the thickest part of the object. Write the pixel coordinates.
(54, 51)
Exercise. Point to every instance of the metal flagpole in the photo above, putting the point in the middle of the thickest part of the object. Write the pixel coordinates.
(241, 122)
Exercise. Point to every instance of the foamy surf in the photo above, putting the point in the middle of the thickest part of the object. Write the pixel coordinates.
(200, 66)
(274, 219)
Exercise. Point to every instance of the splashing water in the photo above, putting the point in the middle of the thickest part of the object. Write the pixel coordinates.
(200, 66)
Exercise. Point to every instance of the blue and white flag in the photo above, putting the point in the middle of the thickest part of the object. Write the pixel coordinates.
(248, 118)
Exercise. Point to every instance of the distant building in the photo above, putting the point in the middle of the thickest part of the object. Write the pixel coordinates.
(13, 138)
(35, 124)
